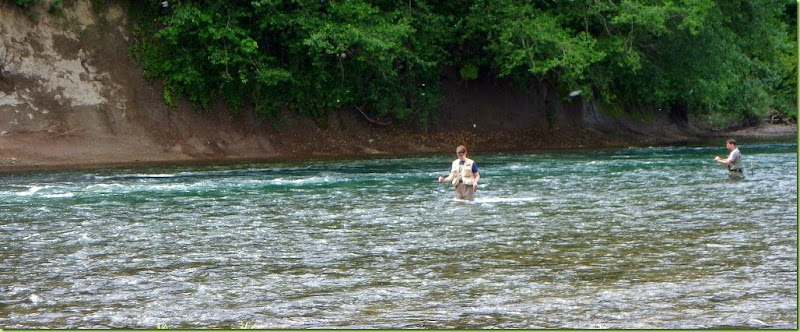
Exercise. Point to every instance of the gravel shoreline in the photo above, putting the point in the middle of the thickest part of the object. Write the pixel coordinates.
(10, 164)
(764, 131)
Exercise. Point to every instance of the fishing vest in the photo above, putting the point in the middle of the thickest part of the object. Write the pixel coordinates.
(462, 173)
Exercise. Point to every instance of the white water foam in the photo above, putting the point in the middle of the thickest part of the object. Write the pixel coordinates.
(505, 199)
(61, 195)
(30, 191)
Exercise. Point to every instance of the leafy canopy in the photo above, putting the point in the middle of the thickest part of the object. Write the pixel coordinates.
(385, 56)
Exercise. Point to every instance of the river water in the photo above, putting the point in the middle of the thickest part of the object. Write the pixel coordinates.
(651, 237)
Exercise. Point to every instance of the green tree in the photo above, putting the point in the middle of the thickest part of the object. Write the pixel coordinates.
(525, 41)
(310, 57)
(385, 56)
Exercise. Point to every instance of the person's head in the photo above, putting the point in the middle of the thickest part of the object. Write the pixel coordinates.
(461, 152)
(731, 144)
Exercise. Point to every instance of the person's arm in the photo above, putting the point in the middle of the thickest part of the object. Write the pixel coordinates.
(448, 178)
(477, 175)
(723, 161)
(726, 161)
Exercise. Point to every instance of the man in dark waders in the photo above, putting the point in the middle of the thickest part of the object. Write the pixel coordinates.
(734, 161)
(163, 7)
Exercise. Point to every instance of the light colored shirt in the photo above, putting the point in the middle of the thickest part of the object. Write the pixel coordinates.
(734, 157)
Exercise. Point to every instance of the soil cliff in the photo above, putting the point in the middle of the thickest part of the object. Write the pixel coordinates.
(71, 96)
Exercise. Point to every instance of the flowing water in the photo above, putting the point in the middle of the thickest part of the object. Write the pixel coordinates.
(652, 237)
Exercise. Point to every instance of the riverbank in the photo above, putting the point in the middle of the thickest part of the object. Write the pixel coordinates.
(53, 152)
(71, 97)
(764, 131)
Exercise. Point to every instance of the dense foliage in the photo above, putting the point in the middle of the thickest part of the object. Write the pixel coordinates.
(736, 58)
(309, 56)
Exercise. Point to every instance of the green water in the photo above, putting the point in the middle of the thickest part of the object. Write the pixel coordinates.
(630, 238)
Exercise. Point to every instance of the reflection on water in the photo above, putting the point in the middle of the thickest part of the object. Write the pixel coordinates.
(631, 238)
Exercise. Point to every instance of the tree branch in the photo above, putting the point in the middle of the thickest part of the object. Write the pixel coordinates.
(370, 120)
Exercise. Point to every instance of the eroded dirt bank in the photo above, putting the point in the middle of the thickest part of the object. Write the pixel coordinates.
(70, 96)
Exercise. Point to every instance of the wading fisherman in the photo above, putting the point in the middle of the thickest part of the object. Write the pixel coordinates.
(734, 160)
(163, 7)
(464, 175)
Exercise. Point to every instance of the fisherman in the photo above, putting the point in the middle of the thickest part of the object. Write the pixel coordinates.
(163, 7)
(463, 175)
(734, 160)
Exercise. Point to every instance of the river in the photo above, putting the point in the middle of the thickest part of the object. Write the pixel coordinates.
(643, 237)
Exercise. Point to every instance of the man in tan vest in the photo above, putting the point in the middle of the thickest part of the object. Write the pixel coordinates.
(464, 175)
